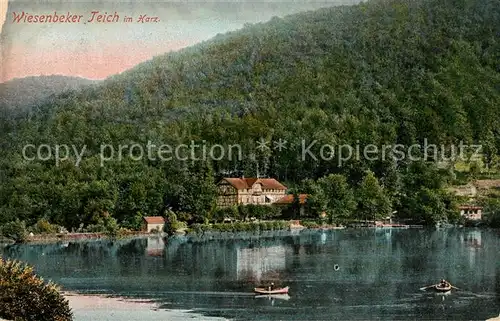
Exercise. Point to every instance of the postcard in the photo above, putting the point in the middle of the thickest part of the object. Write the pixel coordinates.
(249, 160)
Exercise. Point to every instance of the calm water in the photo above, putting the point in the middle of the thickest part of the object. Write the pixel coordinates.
(378, 277)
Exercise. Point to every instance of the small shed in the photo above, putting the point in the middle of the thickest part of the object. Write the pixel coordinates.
(153, 223)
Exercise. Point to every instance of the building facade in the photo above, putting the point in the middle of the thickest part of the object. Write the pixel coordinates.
(244, 191)
(473, 213)
(153, 223)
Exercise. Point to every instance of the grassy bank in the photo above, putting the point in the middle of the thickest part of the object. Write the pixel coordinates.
(195, 229)
(239, 227)
(277, 225)
(61, 237)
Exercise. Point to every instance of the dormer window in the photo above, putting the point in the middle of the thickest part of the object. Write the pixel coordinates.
(257, 189)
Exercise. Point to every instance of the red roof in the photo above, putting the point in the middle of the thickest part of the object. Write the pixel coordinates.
(154, 219)
(290, 198)
(244, 183)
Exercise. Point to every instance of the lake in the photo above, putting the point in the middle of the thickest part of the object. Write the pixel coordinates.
(352, 274)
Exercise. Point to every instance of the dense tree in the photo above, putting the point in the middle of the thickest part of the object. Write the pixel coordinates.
(317, 200)
(492, 212)
(15, 230)
(381, 73)
(340, 201)
(373, 203)
(25, 296)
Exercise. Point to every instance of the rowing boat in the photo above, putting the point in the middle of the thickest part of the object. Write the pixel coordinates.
(440, 288)
(267, 291)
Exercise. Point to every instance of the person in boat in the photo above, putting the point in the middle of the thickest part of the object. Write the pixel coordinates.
(444, 283)
(271, 287)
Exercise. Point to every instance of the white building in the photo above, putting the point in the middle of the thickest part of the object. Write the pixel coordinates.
(153, 223)
(473, 213)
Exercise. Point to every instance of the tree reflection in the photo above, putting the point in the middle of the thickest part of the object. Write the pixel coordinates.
(377, 268)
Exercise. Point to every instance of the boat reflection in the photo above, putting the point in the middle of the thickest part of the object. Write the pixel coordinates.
(273, 296)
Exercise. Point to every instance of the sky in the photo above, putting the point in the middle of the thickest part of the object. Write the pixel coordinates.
(95, 49)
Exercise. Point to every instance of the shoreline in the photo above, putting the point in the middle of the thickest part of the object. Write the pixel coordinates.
(74, 237)
(71, 237)
(88, 307)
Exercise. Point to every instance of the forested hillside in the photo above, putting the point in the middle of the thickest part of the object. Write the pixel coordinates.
(382, 72)
(20, 95)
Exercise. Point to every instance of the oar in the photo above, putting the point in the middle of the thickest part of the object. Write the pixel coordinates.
(454, 287)
(427, 287)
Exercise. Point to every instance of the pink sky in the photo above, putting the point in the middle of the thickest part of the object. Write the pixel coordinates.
(98, 50)
(93, 64)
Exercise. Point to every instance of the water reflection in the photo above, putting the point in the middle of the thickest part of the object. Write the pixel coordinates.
(473, 239)
(379, 275)
(155, 246)
(260, 262)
